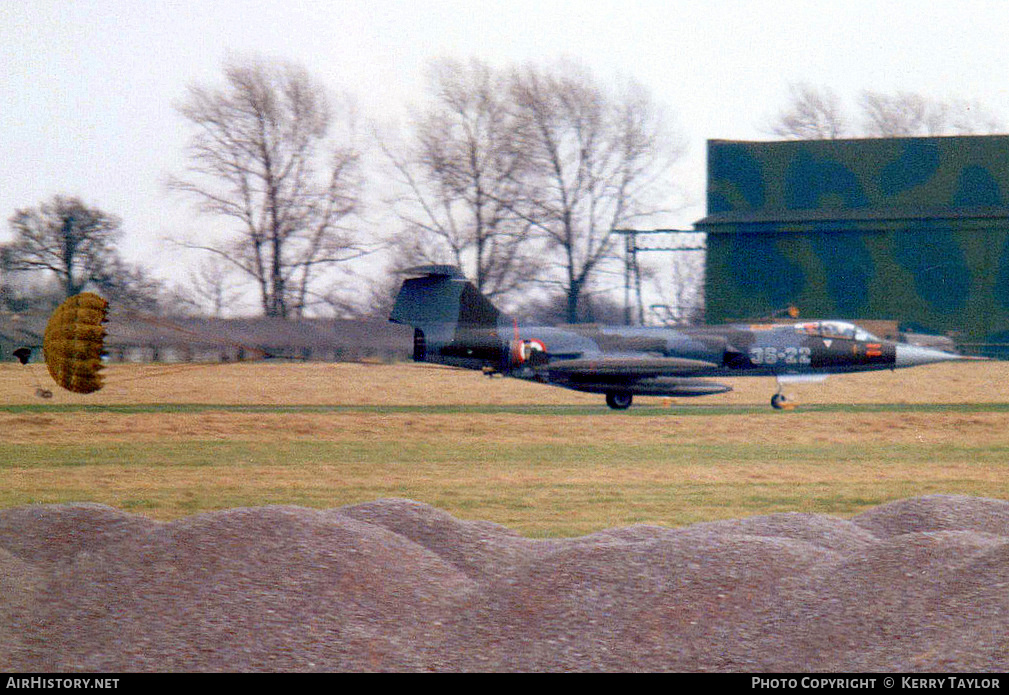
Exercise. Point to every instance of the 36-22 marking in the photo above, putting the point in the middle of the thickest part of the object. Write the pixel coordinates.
(774, 355)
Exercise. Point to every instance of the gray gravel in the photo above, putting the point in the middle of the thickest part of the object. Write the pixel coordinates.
(916, 585)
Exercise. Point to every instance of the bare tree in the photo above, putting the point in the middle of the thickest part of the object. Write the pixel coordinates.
(903, 113)
(598, 160)
(816, 113)
(970, 117)
(211, 290)
(907, 113)
(813, 113)
(130, 286)
(680, 284)
(261, 157)
(461, 172)
(74, 242)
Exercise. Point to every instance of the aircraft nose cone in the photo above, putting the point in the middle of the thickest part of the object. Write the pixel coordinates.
(914, 355)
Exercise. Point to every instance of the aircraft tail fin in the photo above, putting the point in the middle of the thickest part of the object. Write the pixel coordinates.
(440, 294)
(439, 302)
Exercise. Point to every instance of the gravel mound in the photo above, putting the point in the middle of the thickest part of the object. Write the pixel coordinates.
(48, 534)
(684, 602)
(910, 603)
(916, 585)
(18, 584)
(937, 513)
(828, 533)
(478, 549)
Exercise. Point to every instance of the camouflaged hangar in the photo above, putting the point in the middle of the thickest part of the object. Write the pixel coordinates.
(913, 230)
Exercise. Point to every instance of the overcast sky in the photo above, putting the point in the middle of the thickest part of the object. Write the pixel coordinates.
(88, 86)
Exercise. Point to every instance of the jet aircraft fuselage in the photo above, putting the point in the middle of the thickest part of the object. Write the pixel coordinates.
(455, 325)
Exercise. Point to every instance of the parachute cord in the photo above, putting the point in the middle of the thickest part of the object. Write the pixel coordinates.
(202, 335)
(245, 351)
(155, 371)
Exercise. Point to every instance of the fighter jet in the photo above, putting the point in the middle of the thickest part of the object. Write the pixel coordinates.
(454, 324)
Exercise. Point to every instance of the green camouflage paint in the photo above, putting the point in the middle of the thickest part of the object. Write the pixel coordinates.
(908, 229)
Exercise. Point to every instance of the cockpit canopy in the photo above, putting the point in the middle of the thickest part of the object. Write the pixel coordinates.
(834, 329)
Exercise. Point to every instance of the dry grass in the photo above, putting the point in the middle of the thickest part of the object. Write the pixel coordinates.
(320, 437)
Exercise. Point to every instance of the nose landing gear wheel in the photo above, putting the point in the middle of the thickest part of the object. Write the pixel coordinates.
(619, 401)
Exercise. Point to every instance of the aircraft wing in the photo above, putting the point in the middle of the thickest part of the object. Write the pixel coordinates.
(635, 375)
(629, 367)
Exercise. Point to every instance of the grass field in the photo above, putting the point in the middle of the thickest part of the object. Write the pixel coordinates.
(169, 441)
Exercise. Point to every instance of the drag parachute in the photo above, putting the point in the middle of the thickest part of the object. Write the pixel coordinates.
(73, 343)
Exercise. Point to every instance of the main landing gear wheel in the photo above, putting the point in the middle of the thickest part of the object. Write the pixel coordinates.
(619, 401)
(779, 402)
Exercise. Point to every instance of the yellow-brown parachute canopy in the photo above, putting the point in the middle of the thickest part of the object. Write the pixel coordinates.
(73, 343)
